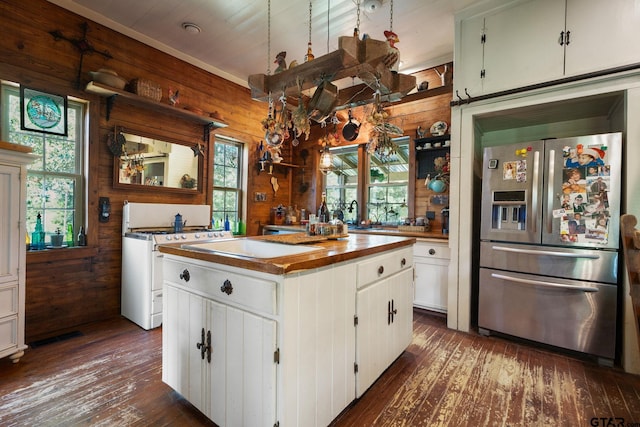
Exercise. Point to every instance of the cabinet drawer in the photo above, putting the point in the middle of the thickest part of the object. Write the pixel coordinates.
(431, 250)
(8, 300)
(228, 288)
(384, 265)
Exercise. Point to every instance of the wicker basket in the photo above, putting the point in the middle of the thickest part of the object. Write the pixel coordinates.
(414, 228)
(146, 88)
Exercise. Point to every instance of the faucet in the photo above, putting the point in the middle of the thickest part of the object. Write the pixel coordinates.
(350, 210)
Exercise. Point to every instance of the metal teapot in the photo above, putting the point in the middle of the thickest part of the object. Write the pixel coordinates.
(178, 224)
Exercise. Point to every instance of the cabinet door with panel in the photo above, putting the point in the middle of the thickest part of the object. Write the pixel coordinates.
(220, 357)
(431, 264)
(521, 46)
(384, 315)
(511, 46)
(526, 42)
(601, 34)
(12, 250)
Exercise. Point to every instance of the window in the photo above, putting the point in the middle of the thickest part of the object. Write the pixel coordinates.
(387, 184)
(55, 184)
(227, 183)
(342, 183)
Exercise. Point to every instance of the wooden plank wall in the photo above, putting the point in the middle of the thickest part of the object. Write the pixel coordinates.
(67, 288)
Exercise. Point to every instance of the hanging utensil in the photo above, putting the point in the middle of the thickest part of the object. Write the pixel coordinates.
(351, 129)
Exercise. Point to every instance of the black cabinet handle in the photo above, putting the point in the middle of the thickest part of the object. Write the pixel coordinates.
(227, 287)
(403, 262)
(432, 251)
(205, 347)
(561, 38)
(389, 312)
(185, 275)
(380, 270)
(568, 38)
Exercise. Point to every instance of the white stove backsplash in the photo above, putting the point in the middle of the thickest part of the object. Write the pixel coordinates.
(162, 216)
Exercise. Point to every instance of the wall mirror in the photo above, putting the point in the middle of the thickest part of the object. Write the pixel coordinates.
(151, 161)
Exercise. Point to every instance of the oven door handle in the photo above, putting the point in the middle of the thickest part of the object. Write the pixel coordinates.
(543, 283)
(550, 253)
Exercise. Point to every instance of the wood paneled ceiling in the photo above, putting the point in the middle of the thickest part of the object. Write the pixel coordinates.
(233, 42)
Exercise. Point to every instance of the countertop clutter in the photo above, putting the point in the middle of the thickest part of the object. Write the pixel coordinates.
(383, 231)
(332, 251)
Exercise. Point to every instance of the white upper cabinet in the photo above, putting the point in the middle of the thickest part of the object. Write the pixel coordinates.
(602, 34)
(526, 42)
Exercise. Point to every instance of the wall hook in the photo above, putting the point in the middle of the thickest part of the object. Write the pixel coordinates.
(468, 96)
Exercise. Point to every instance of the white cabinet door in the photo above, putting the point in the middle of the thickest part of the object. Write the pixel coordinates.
(603, 34)
(470, 55)
(372, 334)
(431, 263)
(10, 240)
(243, 368)
(521, 46)
(233, 381)
(385, 320)
(401, 293)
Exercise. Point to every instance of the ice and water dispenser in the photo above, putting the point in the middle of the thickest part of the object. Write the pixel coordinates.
(509, 210)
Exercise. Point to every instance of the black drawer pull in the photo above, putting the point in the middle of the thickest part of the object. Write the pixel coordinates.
(403, 262)
(432, 251)
(380, 270)
(227, 287)
(185, 275)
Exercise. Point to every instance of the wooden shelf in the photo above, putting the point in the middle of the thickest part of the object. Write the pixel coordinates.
(112, 93)
(284, 165)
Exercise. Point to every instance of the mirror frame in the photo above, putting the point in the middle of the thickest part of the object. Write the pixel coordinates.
(116, 167)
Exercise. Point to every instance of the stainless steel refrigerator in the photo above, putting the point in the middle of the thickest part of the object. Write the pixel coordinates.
(549, 242)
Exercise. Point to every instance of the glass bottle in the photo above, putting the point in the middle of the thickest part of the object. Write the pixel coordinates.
(82, 237)
(68, 237)
(227, 225)
(323, 212)
(37, 237)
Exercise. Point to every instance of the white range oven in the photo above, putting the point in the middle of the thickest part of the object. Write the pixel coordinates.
(144, 227)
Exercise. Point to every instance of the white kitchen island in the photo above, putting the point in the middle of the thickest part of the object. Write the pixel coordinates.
(290, 340)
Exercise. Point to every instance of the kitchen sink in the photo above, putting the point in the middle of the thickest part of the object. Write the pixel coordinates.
(251, 248)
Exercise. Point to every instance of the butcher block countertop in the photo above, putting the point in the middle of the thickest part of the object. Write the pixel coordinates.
(332, 251)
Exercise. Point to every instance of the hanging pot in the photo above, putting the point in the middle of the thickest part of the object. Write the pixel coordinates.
(351, 129)
(437, 185)
(323, 100)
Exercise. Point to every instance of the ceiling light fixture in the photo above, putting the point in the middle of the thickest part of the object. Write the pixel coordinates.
(372, 6)
(191, 28)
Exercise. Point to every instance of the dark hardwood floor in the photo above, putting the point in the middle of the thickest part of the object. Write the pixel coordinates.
(110, 375)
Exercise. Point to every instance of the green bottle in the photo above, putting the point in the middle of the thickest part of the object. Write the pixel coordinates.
(68, 237)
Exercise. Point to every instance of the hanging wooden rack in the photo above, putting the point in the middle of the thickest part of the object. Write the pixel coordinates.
(364, 59)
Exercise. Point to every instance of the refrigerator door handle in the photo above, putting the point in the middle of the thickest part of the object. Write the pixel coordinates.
(550, 253)
(548, 214)
(545, 284)
(534, 192)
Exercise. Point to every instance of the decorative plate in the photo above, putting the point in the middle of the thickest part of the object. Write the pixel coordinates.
(43, 112)
(439, 128)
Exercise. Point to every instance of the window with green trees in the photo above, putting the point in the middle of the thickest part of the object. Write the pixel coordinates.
(55, 182)
(386, 183)
(227, 181)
